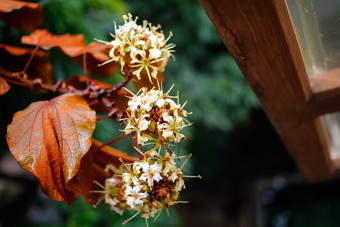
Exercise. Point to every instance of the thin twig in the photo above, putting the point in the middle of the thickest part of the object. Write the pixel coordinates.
(30, 59)
(103, 118)
(113, 141)
(85, 69)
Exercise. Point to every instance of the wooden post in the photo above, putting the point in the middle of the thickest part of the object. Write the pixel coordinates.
(260, 36)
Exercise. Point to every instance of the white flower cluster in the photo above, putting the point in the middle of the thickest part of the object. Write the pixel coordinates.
(156, 113)
(140, 49)
(152, 183)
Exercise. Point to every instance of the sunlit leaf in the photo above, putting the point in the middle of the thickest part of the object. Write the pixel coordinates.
(4, 87)
(50, 139)
(23, 15)
(74, 46)
(71, 45)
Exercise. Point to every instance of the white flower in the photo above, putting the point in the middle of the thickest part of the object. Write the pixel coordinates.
(117, 210)
(160, 102)
(138, 126)
(137, 166)
(128, 178)
(173, 128)
(155, 53)
(151, 173)
(169, 164)
(147, 106)
(135, 196)
(143, 124)
(179, 185)
(173, 176)
(134, 103)
(142, 138)
(173, 105)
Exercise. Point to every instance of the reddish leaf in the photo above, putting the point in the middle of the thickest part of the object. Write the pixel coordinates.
(14, 59)
(120, 97)
(4, 87)
(51, 139)
(74, 46)
(23, 15)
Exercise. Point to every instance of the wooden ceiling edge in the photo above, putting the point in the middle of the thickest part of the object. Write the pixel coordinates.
(260, 37)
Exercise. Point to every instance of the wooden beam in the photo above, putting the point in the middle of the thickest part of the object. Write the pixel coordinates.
(326, 92)
(261, 38)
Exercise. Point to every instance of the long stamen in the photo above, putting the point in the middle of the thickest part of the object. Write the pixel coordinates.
(159, 213)
(182, 202)
(146, 221)
(139, 151)
(167, 93)
(198, 176)
(99, 184)
(121, 160)
(189, 156)
(170, 35)
(101, 41)
(124, 223)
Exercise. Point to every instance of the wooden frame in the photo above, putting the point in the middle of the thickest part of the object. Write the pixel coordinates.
(261, 38)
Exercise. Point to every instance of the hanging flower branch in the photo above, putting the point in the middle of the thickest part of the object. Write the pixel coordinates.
(53, 139)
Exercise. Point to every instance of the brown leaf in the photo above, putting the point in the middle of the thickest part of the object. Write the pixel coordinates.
(74, 46)
(4, 86)
(109, 155)
(120, 97)
(51, 139)
(14, 59)
(23, 15)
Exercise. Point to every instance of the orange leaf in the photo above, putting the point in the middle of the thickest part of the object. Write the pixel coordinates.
(14, 59)
(4, 86)
(23, 15)
(74, 46)
(51, 139)
(71, 45)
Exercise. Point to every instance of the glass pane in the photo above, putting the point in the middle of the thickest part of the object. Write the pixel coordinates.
(332, 124)
(317, 25)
